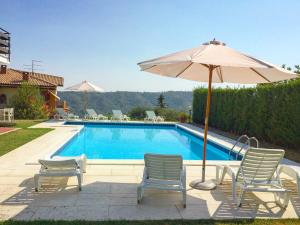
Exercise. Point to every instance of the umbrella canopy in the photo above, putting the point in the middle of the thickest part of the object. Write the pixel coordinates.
(229, 66)
(85, 86)
(214, 62)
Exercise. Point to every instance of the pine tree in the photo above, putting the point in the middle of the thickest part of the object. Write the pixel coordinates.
(161, 101)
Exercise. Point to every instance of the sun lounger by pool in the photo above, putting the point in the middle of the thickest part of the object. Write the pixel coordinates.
(62, 114)
(293, 172)
(118, 115)
(164, 172)
(81, 160)
(92, 115)
(258, 172)
(59, 168)
(150, 116)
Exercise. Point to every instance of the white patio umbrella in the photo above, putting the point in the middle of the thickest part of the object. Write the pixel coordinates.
(214, 62)
(84, 87)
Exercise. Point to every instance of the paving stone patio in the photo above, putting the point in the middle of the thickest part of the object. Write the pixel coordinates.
(109, 191)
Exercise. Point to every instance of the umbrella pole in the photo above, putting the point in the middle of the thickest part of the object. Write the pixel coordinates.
(202, 184)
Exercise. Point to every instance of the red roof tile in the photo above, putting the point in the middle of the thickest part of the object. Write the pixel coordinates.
(14, 77)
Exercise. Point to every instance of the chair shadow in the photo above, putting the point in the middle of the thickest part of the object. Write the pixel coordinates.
(99, 200)
(253, 206)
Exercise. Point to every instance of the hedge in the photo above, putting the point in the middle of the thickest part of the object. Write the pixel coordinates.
(269, 112)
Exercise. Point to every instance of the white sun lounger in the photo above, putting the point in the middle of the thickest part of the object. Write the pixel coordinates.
(164, 172)
(118, 115)
(151, 116)
(91, 114)
(58, 168)
(293, 172)
(81, 160)
(257, 172)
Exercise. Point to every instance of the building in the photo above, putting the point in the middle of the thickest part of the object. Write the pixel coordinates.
(11, 79)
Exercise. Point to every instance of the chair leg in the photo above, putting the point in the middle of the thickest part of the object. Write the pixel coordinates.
(239, 201)
(184, 198)
(37, 182)
(79, 178)
(282, 199)
(139, 194)
(222, 170)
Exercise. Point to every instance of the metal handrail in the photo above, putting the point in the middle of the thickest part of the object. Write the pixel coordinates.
(236, 142)
(248, 143)
(255, 139)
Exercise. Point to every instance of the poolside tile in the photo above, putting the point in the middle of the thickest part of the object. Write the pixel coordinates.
(143, 212)
(109, 192)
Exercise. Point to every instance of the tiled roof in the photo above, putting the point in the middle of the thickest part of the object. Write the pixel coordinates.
(14, 77)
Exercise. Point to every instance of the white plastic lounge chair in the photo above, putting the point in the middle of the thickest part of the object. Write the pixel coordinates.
(58, 168)
(293, 172)
(72, 116)
(150, 116)
(118, 115)
(81, 160)
(164, 172)
(91, 114)
(61, 114)
(257, 172)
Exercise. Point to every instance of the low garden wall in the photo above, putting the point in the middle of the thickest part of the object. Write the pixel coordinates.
(268, 112)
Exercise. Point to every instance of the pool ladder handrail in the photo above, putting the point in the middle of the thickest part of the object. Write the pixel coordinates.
(247, 144)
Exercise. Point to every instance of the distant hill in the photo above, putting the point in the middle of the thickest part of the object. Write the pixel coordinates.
(105, 102)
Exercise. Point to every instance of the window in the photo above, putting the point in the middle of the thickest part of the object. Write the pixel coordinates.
(3, 99)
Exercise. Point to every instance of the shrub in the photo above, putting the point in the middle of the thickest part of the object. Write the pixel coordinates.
(270, 112)
(137, 113)
(183, 117)
(28, 103)
(168, 114)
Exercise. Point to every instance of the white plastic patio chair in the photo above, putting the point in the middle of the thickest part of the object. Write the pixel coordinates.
(164, 172)
(293, 172)
(58, 168)
(91, 114)
(61, 114)
(118, 115)
(151, 116)
(257, 172)
(81, 160)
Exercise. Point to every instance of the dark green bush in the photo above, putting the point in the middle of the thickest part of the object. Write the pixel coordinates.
(7, 124)
(28, 103)
(138, 113)
(168, 114)
(270, 112)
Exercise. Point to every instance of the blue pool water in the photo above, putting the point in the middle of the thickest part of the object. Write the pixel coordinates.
(119, 141)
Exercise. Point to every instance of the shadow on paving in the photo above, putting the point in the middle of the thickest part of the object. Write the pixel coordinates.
(115, 201)
(253, 206)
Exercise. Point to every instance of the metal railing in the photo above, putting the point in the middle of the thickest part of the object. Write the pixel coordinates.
(245, 145)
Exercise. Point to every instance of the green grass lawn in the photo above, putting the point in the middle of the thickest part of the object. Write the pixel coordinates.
(160, 222)
(14, 139)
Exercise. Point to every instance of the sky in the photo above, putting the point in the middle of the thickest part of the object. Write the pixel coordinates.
(103, 40)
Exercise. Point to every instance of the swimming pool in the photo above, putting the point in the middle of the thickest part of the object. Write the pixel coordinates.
(132, 141)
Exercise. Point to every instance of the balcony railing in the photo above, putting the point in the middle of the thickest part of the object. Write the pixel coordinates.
(4, 46)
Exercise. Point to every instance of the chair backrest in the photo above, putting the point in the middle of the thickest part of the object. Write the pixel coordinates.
(150, 114)
(117, 113)
(163, 167)
(259, 165)
(91, 112)
(59, 165)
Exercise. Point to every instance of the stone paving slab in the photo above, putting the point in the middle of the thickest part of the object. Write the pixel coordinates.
(109, 191)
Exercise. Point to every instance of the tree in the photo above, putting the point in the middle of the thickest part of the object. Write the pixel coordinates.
(161, 101)
(296, 70)
(28, 103)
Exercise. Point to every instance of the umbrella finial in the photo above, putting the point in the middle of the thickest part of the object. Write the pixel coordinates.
(214, 42)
